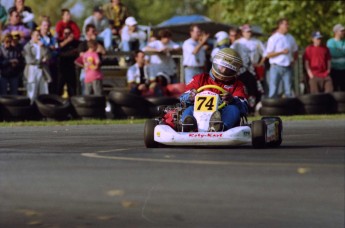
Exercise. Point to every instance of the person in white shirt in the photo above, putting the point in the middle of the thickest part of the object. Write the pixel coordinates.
(194, 54)
(222, 41)
(102, 26)
(161, 61)
(282, 53)
(132, 38)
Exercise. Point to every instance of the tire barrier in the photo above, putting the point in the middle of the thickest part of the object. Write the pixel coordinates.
(17, 108)
(89, 106)
(339, 97)
(322, 103)
(163, 100)
(281, 106)
(124, 105)
(54, 107)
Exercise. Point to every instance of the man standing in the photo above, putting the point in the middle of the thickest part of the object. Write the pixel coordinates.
(282, 52)
(194, 54)
(336, 46)
(317, 64)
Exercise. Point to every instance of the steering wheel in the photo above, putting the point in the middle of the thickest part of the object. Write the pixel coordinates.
(202, 88)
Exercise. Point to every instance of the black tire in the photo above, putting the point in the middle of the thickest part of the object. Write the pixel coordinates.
(91, 112)
(279, 102)
(319, 109)
(277, 111)
(317, 99)
(258, 129)
(339, 96)
(18, 113)
(163, 100)
(53, 106)
(15, 100)
(88, 101)
(149, 130)
(280, 130)
(135, 112)
(129, 100)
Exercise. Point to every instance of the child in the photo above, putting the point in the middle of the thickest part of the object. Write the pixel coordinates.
(318, 65)
(93, 74)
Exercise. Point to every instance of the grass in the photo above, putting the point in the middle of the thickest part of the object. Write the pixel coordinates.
(141, 121)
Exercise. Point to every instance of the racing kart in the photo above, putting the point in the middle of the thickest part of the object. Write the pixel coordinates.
(168, 129)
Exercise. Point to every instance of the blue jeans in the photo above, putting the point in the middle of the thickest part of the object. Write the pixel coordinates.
(107, 37)
(278, 74)
(12, 82)
(190, 72)
(230, 115)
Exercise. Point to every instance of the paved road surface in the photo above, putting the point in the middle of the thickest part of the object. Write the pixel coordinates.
(103, 176)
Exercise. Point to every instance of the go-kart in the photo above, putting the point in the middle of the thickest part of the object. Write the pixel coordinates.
(168, 129)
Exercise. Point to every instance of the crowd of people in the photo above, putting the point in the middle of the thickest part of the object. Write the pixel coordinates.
(42, 61)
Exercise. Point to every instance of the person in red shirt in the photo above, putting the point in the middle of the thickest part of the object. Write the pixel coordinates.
(66, 22)
(317, 60)
(225, 68)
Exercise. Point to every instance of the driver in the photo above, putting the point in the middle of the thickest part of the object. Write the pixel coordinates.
(225, 67)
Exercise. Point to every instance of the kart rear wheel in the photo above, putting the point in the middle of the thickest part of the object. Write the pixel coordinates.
(280, 129)
(258, 134)
(149, 130)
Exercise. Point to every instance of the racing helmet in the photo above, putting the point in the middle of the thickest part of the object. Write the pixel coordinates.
(226, 65)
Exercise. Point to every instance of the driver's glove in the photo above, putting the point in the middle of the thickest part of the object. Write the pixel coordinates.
(227, 98)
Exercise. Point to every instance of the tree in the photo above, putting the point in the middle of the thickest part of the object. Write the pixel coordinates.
(304, 16)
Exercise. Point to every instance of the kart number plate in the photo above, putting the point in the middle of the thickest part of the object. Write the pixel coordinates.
(205, 103)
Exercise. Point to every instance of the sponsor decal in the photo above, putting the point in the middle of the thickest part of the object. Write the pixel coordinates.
(228, 86)
(246, 133)
(205, 135)
(158, 134)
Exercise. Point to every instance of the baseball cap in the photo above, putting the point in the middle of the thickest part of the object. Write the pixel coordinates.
(130, 21)
(246, 28)
(338, 27)
(317, 35)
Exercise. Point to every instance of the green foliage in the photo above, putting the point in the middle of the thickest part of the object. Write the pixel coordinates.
(304, 16)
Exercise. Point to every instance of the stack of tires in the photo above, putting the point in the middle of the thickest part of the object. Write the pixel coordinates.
(124, 105)
(53, 107)
(89, 106)
(17, 108)
(280, 107)
(321, 103)
(339, 98)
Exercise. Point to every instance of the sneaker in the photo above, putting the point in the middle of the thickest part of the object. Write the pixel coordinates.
(216, 123)
(189, 124)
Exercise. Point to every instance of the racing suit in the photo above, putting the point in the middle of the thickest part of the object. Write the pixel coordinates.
(232, 112)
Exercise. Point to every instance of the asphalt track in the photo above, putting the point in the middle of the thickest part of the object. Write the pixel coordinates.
(103, 176)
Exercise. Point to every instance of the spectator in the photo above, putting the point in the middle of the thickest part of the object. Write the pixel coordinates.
(16, 26)
(12, 66)
(49, 41)
(282, 52)
(25, 12)
(162, 61)
(68, 53)
(194, 54)
(132, 37)
(139, 79)
(117, 13)
(234, 34)
(93, 74)
(222, 41)
(318, 65)
(36, 70)
(90, 34)
(336, 46)
(102, 27)
(3, 16)
(66, 22)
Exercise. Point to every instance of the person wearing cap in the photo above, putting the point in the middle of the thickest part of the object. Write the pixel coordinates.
(102, 27)
(132, 37)
(336, 46)
(67, 22)
(194, 53)
(161, 59)
(282, 51)
(317, 62)
(222, 41)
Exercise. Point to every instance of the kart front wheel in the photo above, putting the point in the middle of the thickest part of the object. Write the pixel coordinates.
(149, 130)
(258, 128)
